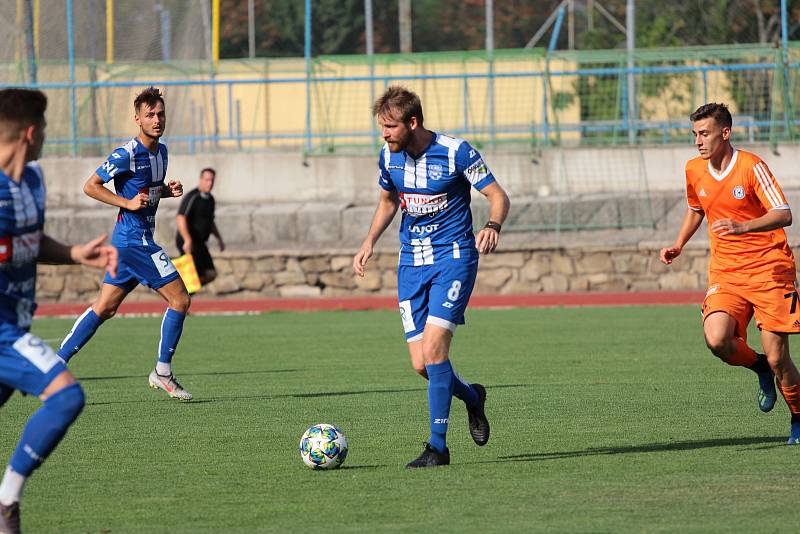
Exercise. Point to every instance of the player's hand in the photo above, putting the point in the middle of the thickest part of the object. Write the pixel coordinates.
(486, 241)
(138, 202)
(175, 188)
(97, 254)
(360, 259)
(221, 244)
(187, 246)
(668, 254)
(729, 226)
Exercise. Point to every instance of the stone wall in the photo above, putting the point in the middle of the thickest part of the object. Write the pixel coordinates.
(328, 273)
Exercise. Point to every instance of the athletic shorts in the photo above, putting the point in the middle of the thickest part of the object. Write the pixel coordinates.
(147, 265)
(436, 294)
(27, 363)
(202, 258)
(774, 304)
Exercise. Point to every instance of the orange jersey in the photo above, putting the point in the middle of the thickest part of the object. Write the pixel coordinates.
(744, 191)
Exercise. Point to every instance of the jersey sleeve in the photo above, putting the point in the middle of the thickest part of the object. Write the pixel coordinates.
(767, 189)
(692, 200)
(471, 165)
(183, 209)
(118, 162)
(384, 178)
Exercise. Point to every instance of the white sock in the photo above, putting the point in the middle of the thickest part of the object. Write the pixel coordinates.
(164, 369)
(11, 487)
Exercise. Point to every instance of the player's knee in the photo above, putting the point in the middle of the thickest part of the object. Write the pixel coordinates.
(718, 346)
(105, 312)
(68, 401)
(181, 302)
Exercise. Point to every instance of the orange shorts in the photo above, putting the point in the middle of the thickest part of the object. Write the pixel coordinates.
(774, 304)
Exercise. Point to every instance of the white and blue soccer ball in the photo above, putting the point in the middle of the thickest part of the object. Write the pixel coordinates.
(323, 446)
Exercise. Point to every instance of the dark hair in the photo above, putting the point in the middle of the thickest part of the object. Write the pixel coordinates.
(149, 96)
(208, 169)
(20, 108)
(400, 99)
(719, 112)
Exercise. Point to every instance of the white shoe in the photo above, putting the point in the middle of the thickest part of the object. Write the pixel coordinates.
(169, 384)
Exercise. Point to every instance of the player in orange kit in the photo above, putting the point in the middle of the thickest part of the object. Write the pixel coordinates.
(752, 269)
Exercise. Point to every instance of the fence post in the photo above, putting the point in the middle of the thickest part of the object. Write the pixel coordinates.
(72, 91)
(307, 48)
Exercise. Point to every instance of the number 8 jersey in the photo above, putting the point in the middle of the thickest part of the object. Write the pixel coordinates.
(134, 169)
(434, 193)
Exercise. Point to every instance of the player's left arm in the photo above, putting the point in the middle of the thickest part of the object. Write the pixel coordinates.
(215, 233)
(769, 193)
(94, 253)
(487, 239)
(173, 189)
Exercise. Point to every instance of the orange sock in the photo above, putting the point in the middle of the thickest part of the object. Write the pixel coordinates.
(791, 394)
(744, 355)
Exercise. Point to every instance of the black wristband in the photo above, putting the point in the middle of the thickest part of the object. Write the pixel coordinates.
(494, 226)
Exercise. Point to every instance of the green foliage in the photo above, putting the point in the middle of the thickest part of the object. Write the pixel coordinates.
(600, 423)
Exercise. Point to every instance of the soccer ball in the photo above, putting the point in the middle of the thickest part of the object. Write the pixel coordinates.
(323, 447)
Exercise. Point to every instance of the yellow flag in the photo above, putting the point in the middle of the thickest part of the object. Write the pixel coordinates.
(188, 272)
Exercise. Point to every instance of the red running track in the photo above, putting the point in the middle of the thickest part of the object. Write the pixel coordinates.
(220, 306)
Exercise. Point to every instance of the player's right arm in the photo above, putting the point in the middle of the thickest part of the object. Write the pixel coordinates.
(691, 222)
(387, 208)
(95, 189)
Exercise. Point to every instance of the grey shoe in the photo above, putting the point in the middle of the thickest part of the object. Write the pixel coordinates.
(169, 384)
(9, 519)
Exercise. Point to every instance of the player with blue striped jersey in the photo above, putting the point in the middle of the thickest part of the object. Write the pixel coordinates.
(27, 364)
(138, 170)
(429, 176)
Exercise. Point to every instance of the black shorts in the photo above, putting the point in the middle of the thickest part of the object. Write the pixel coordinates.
(200, 255)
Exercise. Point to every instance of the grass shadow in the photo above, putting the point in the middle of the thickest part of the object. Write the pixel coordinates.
(764, 441)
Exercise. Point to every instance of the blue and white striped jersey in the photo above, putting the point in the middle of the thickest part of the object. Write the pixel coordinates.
(434, 192)
(21, 229)
(135, 170)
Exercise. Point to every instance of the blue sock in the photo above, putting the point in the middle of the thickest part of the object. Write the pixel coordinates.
(171, 330)
(464, 391)
(82, 331)
(440, 393)
(45, 429)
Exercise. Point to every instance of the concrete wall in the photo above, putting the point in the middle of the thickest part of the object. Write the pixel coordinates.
(248, 178)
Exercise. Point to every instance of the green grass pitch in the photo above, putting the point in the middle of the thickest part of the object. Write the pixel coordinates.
(603, 420)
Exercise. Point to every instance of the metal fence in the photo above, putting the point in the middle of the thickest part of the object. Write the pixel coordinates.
(93, 56)
(519, 98)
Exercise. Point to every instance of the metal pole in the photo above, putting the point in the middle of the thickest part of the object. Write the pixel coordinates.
(630, 29)
(404, 19)
(30, 46)
(571, 25)
(73, 92)
(370, 36)
(788, 111)
(308, 74)
(489, 5)
(251, 28)
(109, 31)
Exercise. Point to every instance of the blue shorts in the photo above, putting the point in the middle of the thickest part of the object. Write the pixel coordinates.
(147, 265)
(27, 363)
(436, 294)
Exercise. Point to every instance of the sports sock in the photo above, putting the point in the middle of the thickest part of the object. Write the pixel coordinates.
(743, 356)
(440, 393)
(46, 427)
(464, 391)
(171, 329)
(761, 365)
(82, 331)
(11, 487)
(791, 394)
